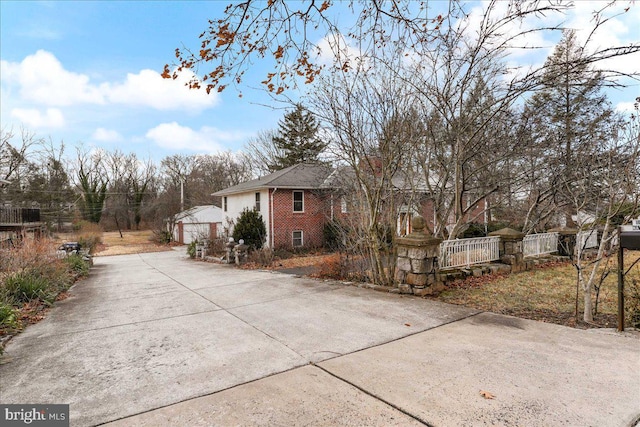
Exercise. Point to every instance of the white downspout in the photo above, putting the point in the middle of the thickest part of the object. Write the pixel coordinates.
(271, 217)
(331, 206)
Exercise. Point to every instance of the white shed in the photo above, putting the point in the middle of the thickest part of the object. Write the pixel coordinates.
(197, 223)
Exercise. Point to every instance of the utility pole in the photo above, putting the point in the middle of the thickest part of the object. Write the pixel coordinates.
(181, 194)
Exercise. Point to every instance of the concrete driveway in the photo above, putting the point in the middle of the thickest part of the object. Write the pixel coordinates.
(157, 339)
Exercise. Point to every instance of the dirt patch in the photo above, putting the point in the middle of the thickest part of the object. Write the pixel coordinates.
(302, 261)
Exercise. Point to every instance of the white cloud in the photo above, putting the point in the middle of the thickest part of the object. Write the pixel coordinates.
(335, 49)
(148, 88)
(42, 80)
(106, 135)
(208, 139)
(626, 107)
(33, 118)
(620, 30)
(530, 47)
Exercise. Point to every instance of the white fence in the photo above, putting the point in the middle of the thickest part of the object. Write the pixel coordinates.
(587, 239)
(466, 252)
(540, 244)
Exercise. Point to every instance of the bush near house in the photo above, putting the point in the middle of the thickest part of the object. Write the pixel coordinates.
(251, 228)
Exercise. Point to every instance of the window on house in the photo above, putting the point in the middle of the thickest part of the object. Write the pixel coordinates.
(224, 203)
(343, 205)
(298, 201)
(297, 238)
(258, 202)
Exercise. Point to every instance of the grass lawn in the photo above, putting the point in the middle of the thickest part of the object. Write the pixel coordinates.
(547, 293)
(131, 242)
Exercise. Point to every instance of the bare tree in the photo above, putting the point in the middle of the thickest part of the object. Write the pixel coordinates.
(92, 181)
(282, 35)
(14, 160)
(185, 181)
(279, 32)
(399, 57)
(261, 153)
(604, 193)
(49, 184)
(130, 182)
(142, 176)
(362, 112)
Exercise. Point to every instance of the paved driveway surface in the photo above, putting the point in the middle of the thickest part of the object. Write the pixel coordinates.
(156, 339)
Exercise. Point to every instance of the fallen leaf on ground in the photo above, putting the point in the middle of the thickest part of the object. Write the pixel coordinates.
(486, 394)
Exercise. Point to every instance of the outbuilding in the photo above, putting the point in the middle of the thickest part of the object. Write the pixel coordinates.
(197, 223)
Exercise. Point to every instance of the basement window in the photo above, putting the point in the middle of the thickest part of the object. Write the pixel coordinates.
(297, 240)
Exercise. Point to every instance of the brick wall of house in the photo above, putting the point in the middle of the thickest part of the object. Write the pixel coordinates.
(286, 221)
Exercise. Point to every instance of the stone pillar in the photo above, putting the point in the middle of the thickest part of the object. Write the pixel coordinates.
(511, 248)
(229, 249)
(566, 240)
(417, 266)
(241, 252)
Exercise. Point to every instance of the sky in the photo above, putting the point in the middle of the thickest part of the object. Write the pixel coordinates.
(88, 72)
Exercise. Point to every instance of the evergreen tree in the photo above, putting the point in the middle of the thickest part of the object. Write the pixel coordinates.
(251, 228)
(571, 117)
(296, 139)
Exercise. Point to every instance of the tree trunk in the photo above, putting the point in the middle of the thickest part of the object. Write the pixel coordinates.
(588, 303)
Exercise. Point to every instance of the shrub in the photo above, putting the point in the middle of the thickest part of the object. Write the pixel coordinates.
(191, 249)
(217, 246)
(162, 237)
(27, 285)
(334, 267)
(8, 316)
(332, 233)
(263, 257)
(474, 229)
(633, 303)
(251, 228)
(89, 235)
(77, 265)
(477, 229)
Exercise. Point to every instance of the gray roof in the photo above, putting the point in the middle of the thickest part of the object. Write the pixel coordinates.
(301, 176)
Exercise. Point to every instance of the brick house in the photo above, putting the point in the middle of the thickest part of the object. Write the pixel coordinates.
(293, 203)
(297, 202)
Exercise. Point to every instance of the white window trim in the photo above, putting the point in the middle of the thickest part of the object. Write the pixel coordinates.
(343, 205)
(293, 201)
(258, 201)
(301, 238)
(225, 204)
